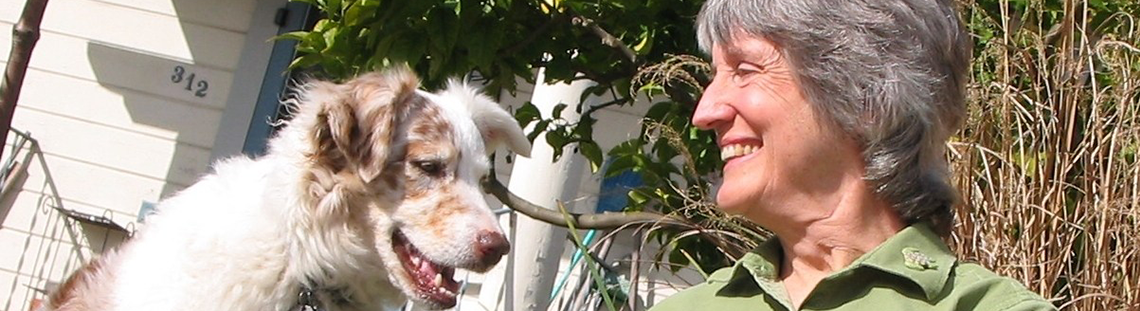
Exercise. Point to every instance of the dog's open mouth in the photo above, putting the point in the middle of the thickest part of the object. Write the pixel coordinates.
(433, 281)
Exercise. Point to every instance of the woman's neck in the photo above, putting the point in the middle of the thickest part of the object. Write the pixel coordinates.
(856, 223)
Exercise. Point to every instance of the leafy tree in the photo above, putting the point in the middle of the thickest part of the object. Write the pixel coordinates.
(628, 47)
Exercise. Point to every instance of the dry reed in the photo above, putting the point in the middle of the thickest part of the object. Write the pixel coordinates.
(1047, 162)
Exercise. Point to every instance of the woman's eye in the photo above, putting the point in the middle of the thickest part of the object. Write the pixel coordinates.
(430, 167)
(744, 73)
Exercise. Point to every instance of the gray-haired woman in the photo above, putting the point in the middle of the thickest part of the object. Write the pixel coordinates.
(832, 117)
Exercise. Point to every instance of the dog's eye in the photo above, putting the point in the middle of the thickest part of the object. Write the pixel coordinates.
(430, 167)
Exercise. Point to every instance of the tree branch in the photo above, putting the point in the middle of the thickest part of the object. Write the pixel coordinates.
(618, 101)
(24, 36)
(606, 37)
(581, 221)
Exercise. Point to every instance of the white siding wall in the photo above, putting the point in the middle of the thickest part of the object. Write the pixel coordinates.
(115, 130)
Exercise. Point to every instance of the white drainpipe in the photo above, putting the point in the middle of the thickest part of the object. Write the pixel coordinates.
(536, 250)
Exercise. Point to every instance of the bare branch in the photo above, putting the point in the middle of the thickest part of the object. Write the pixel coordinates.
(617, 101)
(580, 221)
(606, 37)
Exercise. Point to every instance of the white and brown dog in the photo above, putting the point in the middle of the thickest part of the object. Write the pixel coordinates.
(369, 197)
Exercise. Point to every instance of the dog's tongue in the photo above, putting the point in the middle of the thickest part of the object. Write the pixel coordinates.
(427, 273)
(434, 275)
(426, 269)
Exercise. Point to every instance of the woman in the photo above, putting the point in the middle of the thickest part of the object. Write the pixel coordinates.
(832, 117)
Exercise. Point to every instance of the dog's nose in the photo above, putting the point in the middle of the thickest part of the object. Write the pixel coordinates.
(491, 246)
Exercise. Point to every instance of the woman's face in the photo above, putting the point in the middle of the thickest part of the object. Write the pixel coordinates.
(781, 160)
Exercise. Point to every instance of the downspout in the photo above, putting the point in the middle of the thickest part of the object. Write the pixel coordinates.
(537, 249)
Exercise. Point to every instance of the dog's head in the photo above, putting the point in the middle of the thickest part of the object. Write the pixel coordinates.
(404, 166)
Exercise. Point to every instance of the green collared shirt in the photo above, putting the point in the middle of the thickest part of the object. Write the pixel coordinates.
(914, 270)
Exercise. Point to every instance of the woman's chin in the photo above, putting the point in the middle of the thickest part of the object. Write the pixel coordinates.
(731, 202)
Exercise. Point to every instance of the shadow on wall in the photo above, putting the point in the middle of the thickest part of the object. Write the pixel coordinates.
(188, 98)
(58, 237)
(189, 106)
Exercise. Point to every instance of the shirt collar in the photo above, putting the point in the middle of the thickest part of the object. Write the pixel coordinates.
(916, 253)
(762, 262)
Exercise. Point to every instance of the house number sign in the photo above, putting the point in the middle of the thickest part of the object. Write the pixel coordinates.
(198, 87)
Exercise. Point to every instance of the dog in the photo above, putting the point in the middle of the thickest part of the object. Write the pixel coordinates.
(368, 198)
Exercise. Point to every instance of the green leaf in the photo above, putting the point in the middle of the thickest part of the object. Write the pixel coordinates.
(678, 259)
(330, 37)
(639, 196)
(358, 13)
(584, 129)
(478, 51)
(660, 110)
(333, 7)
(539, 128)
(557, 140)
(619, 165)
(591, 152)
(295, 35)
(646, 44)
(556, 113)
(305, 61)
(527, 113)
(455, 6)
(325, 24)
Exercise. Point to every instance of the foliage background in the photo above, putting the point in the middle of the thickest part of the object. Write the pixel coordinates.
(1047, 162)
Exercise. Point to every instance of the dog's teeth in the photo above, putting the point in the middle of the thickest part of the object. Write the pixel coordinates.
(438, 280)
(415, 261)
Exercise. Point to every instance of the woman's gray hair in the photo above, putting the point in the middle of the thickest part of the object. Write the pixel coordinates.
(889, 73)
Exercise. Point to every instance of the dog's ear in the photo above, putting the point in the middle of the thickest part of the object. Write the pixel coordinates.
(497, 127)
(355, 129)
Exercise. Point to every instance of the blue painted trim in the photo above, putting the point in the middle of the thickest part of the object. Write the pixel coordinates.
(298, 16)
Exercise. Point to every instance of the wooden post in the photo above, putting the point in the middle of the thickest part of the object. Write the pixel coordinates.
(24, 36)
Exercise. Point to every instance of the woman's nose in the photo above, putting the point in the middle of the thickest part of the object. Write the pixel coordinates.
(713, 108)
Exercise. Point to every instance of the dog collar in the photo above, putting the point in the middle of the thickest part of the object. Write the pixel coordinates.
(308, 299)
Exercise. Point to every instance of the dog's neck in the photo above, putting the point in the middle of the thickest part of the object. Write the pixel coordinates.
(346, 266)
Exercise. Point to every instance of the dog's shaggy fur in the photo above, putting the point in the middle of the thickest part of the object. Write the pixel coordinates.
(367, 198)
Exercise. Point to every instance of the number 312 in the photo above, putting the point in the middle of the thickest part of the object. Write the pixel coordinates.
(180, 75)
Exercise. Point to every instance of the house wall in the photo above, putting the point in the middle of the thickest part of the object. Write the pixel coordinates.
(116, 128)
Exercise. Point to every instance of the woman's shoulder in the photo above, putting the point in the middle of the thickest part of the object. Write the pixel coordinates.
(717, 290)
(986, 290)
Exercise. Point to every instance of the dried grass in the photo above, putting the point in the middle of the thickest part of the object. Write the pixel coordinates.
(1047, 162)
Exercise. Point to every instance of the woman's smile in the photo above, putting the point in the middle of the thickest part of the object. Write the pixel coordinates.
(732, 151)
